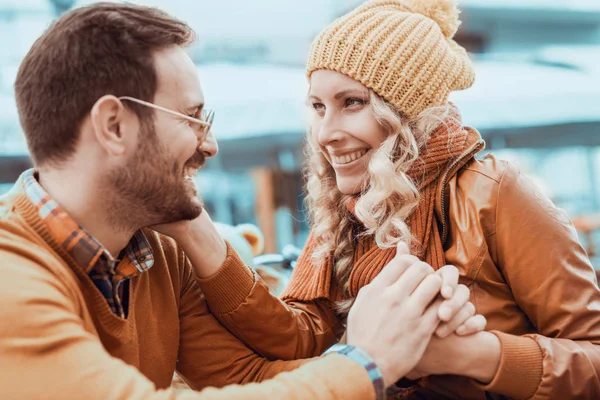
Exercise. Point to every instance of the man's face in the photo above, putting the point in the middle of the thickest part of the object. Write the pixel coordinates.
(157, 178)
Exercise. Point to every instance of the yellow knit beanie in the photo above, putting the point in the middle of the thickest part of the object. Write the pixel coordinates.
(401, 49)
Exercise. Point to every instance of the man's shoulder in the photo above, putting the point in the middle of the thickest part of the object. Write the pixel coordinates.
(20, 241)
(26, 259)
(7, 201)
(28, 269)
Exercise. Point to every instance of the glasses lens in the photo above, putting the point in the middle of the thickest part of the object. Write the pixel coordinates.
(208, 116)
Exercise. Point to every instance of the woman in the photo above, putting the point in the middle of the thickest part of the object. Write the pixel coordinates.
(390, 161)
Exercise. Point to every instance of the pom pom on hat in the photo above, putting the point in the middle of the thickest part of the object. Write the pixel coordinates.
(443, 12)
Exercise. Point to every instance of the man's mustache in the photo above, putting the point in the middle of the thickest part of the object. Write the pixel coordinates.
(196, 161)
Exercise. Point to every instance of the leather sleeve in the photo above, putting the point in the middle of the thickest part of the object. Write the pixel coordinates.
(553, 282)
(273, 328)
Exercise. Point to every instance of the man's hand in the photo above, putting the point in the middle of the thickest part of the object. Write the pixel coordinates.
(200, 241)
(393, 317)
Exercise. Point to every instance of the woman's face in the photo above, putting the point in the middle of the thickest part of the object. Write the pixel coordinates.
(344, 126)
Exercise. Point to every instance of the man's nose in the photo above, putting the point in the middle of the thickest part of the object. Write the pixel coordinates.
(209, 147)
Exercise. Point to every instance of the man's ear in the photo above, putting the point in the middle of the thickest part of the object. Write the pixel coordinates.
(107, 121)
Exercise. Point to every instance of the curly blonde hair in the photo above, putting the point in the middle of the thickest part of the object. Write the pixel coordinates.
(388, 195)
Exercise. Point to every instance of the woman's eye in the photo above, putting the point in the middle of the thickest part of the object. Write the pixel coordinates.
(355, 102)
(318, 106)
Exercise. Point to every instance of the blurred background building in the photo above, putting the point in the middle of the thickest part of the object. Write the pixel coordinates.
(536, 99)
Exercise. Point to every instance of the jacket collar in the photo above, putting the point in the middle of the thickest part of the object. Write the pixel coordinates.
(474, 146)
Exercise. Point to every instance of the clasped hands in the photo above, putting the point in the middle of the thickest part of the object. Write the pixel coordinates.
(438, 319)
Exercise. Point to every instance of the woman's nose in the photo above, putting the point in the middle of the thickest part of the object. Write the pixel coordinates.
(328, 130)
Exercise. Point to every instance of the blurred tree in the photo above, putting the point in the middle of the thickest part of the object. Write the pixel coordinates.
(61, 6)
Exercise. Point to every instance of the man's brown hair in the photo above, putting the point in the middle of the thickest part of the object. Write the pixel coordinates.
(105, 48)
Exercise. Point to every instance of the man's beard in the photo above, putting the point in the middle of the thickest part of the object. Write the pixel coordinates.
(151, 189)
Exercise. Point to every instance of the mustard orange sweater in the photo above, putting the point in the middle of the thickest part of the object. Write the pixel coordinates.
(60, 340)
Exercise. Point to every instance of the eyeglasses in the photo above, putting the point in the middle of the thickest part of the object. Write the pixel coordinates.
(204, 124)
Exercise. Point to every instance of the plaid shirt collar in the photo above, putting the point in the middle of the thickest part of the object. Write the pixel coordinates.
(83, 247)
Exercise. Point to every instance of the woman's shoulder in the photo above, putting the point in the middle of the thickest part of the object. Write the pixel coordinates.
(488, 183)
(487, 168)
(503, 177)
(493, 175)
(477, 182)
(478, 188)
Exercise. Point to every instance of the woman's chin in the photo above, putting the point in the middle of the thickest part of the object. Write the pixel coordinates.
(348, 186)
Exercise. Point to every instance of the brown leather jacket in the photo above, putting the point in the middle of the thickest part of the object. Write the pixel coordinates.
(527, 272)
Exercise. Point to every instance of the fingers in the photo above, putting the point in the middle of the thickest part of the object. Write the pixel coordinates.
(395, 268)
(426, 291)
(446, 328)
(402, 249)
(430, 319)
(450, 308)
(473, 325)
(411, 278)
(449, 274)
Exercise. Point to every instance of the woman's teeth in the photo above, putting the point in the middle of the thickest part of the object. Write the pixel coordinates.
(348, 158)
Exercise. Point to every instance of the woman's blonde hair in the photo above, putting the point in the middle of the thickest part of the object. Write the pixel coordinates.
(388, 195)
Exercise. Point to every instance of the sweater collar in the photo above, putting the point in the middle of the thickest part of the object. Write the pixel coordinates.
(84, 248)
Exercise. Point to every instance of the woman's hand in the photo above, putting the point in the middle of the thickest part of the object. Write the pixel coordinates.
(200, 241)
(457, 313)
(476, 356)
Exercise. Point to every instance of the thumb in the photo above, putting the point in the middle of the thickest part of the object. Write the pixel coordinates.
(396, 267)
(402, 249)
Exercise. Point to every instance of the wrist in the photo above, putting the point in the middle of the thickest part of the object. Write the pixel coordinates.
(480, 357)
(364, 359)
(390, 373)
(205, 248)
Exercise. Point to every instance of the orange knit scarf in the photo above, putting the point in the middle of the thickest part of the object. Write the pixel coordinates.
(447, 144)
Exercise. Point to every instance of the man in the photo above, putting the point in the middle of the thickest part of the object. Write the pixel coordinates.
(96, 305)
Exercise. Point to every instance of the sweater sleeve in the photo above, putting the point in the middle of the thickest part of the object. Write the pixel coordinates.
(277, 329)
(554, 284)
(46, 352)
